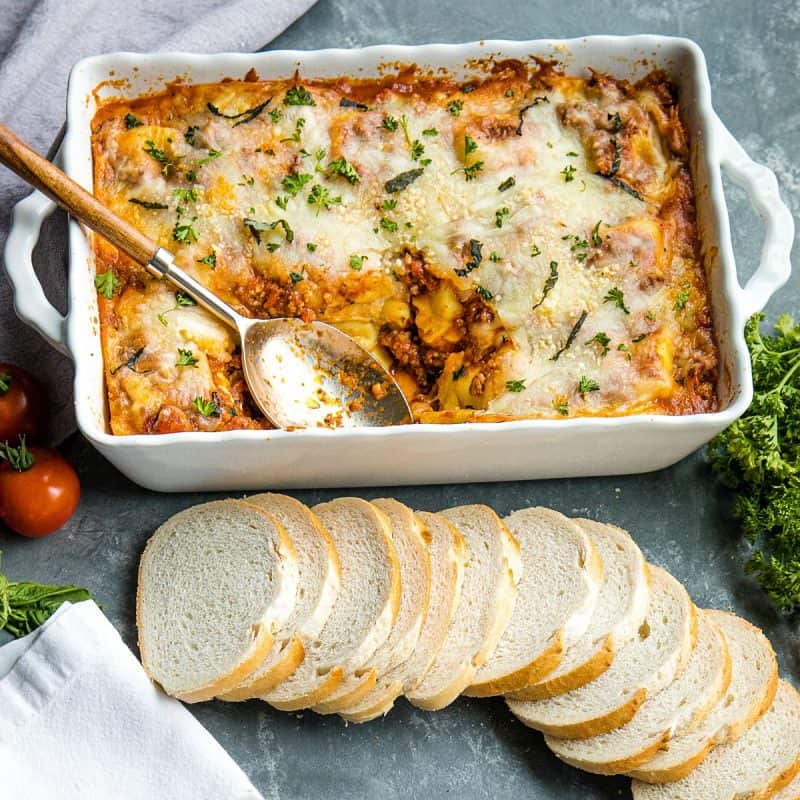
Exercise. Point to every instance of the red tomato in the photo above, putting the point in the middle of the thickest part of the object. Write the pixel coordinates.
(39, 490)
(23, 405)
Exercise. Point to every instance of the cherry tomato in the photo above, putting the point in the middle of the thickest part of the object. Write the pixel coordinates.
(39, 490)
(23, 405)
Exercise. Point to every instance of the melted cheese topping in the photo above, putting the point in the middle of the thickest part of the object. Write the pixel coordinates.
(523, 246)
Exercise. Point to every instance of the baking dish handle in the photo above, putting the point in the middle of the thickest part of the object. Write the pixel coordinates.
(761, 185)
(30, 302)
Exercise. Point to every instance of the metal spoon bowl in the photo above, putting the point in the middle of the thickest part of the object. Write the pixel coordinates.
(299, 374)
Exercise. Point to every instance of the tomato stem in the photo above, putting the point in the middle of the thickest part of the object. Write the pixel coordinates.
(19, 458)
(5, 382)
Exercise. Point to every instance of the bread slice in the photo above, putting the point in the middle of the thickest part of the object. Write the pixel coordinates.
(644, 666)
(791, 791)
(561, 576)
(448, 556)
(365, 608)
(319, 581)
(760, 763)
(216, 582)
(679, 706)
(415, 576)
(487, 600)
(754, 678)
(619, 612)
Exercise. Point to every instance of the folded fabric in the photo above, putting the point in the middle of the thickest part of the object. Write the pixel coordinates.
(40, 40)
(79, 719)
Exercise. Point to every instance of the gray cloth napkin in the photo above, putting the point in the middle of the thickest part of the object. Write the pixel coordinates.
(40, 40)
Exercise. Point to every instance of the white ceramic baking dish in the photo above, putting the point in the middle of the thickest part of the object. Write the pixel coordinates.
(418, 454)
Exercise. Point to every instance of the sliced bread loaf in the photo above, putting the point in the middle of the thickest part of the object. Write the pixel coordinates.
(487, 600)
(754, 678)
(791, 791)
(448, 555)
(642, 667)
(216, 582)
(619, 612)
(319, 580)
(561, 576)
(412, 554)
(679, 706)
(758, 764)
(365, 608)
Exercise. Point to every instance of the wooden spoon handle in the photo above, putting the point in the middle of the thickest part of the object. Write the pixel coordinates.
(60, 188)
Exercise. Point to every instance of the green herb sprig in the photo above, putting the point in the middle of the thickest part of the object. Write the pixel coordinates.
(758, 457)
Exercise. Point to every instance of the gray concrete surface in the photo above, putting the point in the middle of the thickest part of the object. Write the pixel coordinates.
(679, 516)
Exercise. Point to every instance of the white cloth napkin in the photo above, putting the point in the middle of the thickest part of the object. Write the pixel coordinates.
(80, 720)
(40, 40)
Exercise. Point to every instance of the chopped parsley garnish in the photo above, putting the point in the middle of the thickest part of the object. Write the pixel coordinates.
(562, 408)
(321, 197)
(468, 88)
(298, 130)
(186, 195)
(388, 225)
(311, 247)
(207, 408)
(181, 301)
(185, 358)
(515, 386)
(276, 114)
(403, 180)
(549, 284)
(191, 133)
(573, 334)
(389, 205)
(273, 246)
(298, 96)
(455, 107)
(247, 180)
(149, 204)
(596, 238)
(184, 232)
(507, 184)
(390, 123)
(294, 182)
(509, 92)
(639, 338)
(356, 262)
(588, 385)
(341, 166)
(535, 251)
(494, 256)
(579, 246)
(430, 132)
(210, 260)
(471, 171)
(475, 258)
(682, 299)
(158, 155)
(568, 173)
(106, 283)
(470, 145)
(131, 121)
(650, 315)
(295, 277)
(617, 297)
(572, 154)
(415, 146)
(213, 155)
(602, 340)
(483, 293)
(500, 216)
(282, 201)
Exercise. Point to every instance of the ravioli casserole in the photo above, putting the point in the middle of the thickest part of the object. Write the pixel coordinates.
(521, 245)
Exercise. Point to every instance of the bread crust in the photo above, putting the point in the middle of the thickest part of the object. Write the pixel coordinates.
(290, 659)
(320, 692)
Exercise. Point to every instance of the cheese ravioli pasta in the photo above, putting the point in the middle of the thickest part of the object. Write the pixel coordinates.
(520, 245)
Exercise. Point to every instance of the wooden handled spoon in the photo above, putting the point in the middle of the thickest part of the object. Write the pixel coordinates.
(299, 374)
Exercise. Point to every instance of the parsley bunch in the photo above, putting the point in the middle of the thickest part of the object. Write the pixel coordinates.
(759, 458)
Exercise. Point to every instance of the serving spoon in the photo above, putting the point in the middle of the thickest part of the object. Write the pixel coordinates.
(299, 374)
